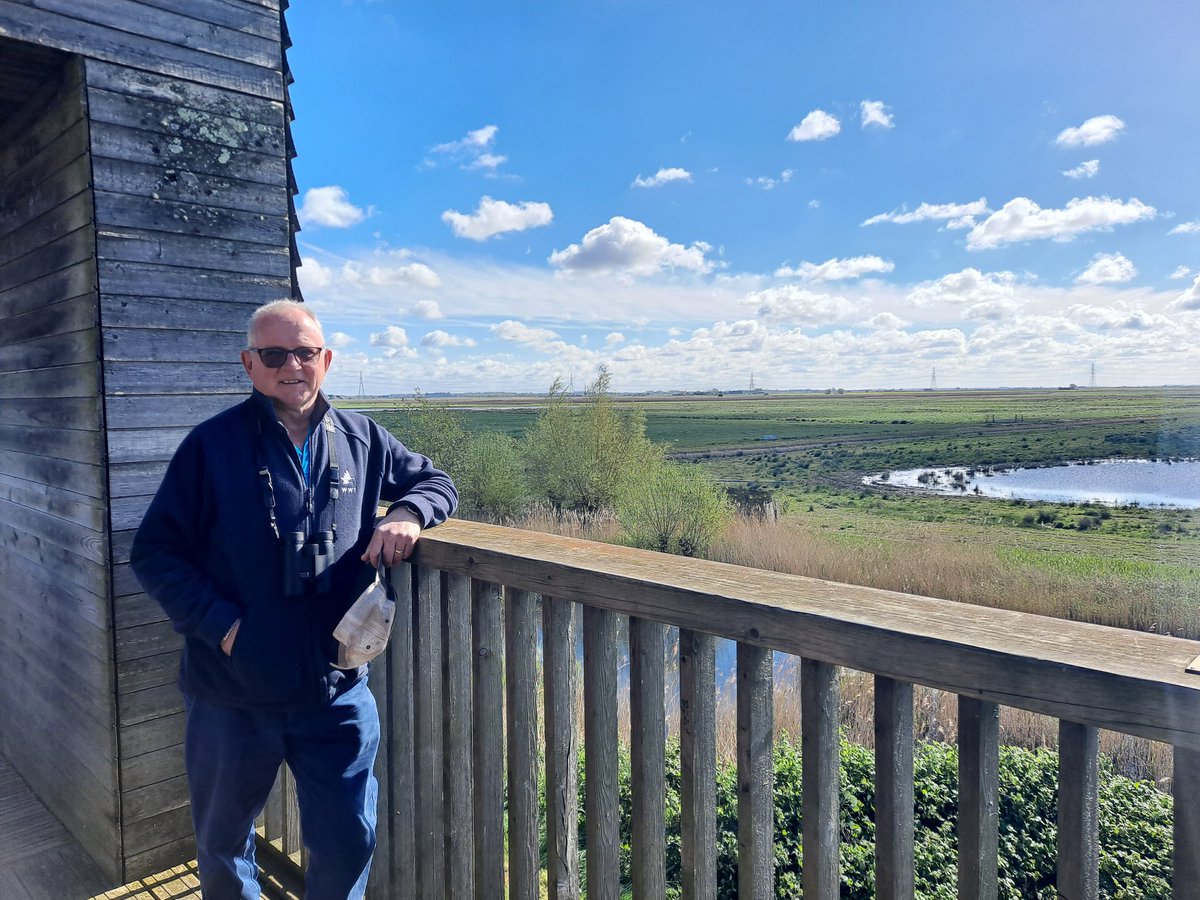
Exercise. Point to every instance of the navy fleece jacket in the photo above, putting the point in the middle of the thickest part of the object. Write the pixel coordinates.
(207, 553)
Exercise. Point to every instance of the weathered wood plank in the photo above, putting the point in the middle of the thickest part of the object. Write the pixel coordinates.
(153, 766)
(756, 774)
(149, 345)
(697, 764)
(978, 798)
(647, 713)
(177, 185)
(200, 157)
(19, 20)
(600, 659)
(166, 379)
(1185, 787)
(54, 108)
(57, 501)
(178, 411)
(55, 565)
(379, 884)
(128, 211)
(1078, 812)
(52, 351)
(74, 247)
(1109, 678)
(75, 539)
(427, 731)
(151, 735)
(84, 479)
(152, 671)
(562, 757)
(458, 772)
(257, 19)
(153, 799)
(77, 283)
(48, 180)
(179, 92)
(81, 598)
(187, 251)
(26, 245)
(894, 814)
(401, 855)
(488, 686)
(520, 657)
(57, 317)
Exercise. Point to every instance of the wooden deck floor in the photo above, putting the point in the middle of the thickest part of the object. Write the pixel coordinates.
(39, 860)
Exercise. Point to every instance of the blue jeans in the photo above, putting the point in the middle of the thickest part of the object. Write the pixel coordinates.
(232, 757)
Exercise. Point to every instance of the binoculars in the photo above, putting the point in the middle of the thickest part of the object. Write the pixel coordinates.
(306, 563)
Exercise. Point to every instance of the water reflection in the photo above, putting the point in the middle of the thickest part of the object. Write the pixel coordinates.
(1122, 482)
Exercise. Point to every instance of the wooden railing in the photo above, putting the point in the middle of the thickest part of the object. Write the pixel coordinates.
(459, 694)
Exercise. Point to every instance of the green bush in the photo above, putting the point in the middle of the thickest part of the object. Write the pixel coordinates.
(1135, 826)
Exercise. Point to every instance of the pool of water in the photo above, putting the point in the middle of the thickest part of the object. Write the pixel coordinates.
(1123, 482)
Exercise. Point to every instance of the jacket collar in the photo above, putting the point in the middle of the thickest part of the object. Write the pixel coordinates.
(266, 409)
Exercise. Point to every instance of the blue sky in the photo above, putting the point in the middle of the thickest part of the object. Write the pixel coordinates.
(811, 195)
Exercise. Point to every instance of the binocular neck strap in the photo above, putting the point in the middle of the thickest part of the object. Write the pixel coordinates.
(268, 486)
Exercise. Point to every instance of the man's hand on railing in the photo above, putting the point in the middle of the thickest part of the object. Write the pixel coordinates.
(394, 537)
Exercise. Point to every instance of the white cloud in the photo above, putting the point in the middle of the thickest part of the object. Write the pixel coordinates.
(339, 340)
(814, 204)
(493, 217)
(445, 339)
(1020, 219)
(1186, 228)
(613, 338)
(886, 321)
(661, 177)
(520, 333)
(329, 206)
(392, 336)
(970, 287)
(1181, 272)
(472, 152)
(1107, 268)
(385, 275)
(313, 275)
(874, 113)
(797, 305)
(1189, 300)
(818, 125)
(1086, 169)
(1096, 130)
(959, 215)
(628, 246)
(426, 309)
(837, 269)
(767, 183)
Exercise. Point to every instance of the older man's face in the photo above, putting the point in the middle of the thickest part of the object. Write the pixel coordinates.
(294, 386)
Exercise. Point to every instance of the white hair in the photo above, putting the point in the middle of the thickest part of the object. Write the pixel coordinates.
(274, 308)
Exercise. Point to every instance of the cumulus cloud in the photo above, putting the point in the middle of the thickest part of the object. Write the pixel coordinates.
(329, 207)
(493, 217)
(875, 113)
(445, 339)
(338, 340)
(957, 215)
(314, 276)
(1020, 219)
(1086, 169)
(1186, 228)
(1181, 272)
(520, 333)
(766, 183)
(796, 305)
(1096, 130)
(661, 177)
(472, 152)
(886, 321)
(392, 336)
(818, 125)
(426, 309)
(837, 269)
(1107, 268)
(384, 275)
(1189, 300)
(613, 338)
(968, 287)
(626, 246)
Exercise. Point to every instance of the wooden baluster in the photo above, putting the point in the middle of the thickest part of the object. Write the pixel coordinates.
(488, 684)
(428, 710)
(1185, 786)
(562, 756)
(1078, 812)
(379, 887)
(697, 749)
(756, 774)
(894, 865)
(648, 756)
(457, 772)
(600, 757)
(978, 798)
(520, 632)
(821, 776)
(698, 764)
(401, 689)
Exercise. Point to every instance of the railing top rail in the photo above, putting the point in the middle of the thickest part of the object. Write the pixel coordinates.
(1111, 678)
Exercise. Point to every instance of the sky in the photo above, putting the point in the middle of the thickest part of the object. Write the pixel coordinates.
(719, 195)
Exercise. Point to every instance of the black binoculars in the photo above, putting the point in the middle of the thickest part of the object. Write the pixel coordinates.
(306, 563)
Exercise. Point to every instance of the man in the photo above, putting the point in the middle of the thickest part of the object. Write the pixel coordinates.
(260, 537)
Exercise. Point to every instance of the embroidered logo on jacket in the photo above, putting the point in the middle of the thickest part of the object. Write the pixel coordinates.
(346, 482)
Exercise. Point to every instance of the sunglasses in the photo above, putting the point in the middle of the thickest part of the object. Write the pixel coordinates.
(276, 357)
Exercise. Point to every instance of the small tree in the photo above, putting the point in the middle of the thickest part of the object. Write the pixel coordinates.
(492, 482)
(672, 508)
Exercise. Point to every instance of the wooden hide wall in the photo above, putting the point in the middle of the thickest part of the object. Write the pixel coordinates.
(188, 231)
(57, 704)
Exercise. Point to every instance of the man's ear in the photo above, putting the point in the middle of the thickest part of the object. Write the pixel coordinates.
(247, 360)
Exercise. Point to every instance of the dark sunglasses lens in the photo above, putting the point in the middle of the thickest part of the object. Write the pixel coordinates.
(306, 354)
(273, 357)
